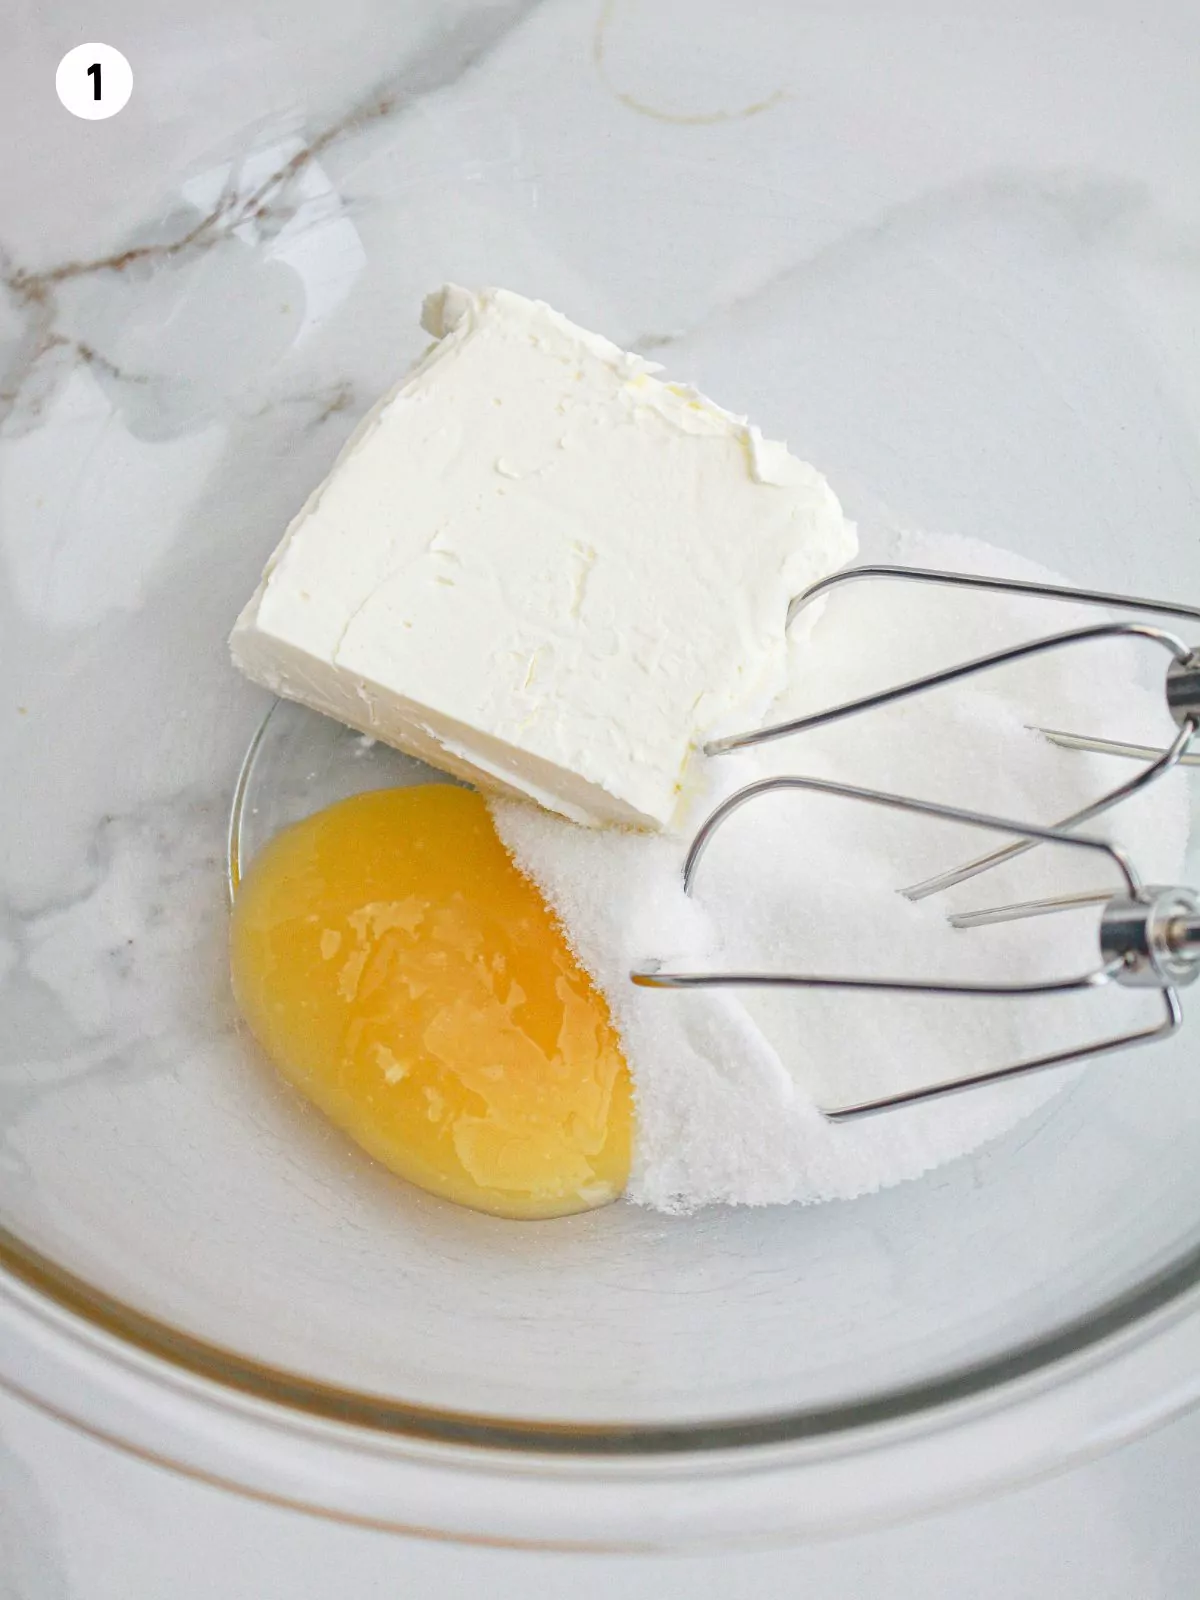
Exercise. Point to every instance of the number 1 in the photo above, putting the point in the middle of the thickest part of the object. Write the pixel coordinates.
(94, 72)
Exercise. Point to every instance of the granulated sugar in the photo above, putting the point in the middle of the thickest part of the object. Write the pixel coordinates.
(729, 1084)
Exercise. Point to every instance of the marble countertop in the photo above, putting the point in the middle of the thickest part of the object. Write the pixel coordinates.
(981, 229)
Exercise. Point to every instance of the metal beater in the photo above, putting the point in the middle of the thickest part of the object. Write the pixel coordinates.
(1148, 936)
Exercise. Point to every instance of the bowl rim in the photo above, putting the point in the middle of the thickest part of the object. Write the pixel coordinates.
(1078, 1338)
(182, 1403)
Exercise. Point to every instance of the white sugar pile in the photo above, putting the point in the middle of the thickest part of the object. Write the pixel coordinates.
(729, 1083)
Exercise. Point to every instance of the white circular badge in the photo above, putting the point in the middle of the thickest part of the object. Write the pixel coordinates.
(94, 81)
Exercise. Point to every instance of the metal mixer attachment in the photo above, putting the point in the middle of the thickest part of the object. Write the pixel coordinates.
(1148, 937)
(1182, 691)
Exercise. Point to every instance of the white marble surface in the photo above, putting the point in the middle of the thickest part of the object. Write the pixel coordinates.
(950, 255)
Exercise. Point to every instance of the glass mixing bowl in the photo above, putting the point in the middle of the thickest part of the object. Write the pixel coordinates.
(947, 257)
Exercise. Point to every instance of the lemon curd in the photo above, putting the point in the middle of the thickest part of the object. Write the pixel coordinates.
(402, 974)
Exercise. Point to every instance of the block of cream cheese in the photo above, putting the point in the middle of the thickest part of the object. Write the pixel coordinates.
(540, 568)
